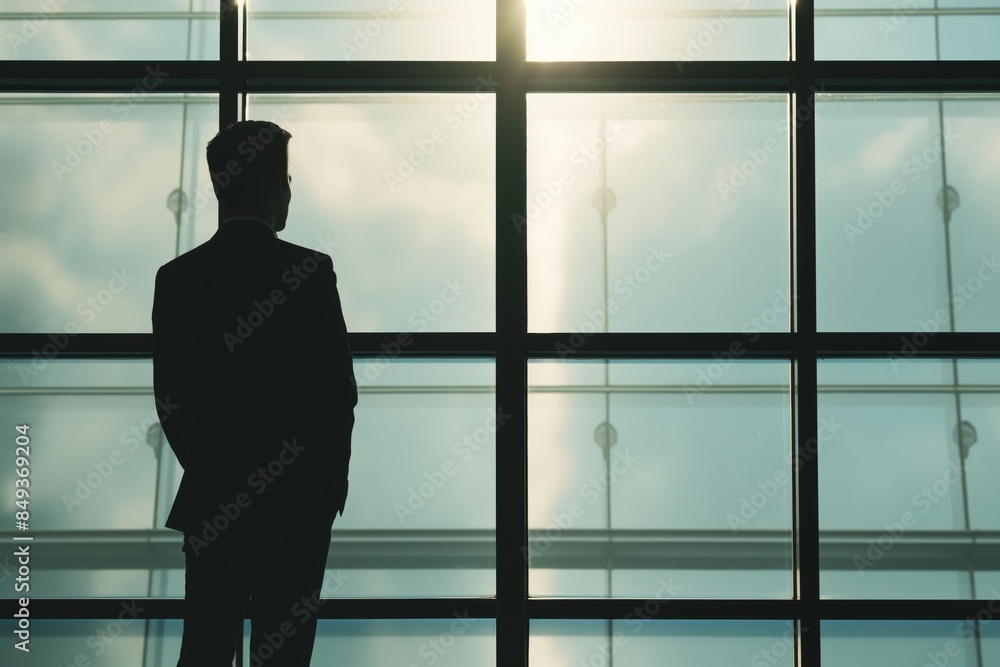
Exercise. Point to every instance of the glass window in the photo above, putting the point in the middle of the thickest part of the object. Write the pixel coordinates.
(907, 30)
(400, 191)
(101, 190)
(110, 30)
(917, 522)
(103, 480)
(638, 642)
(648, 313)
(372, 30)
(645, 473)
(906, 217)
(657, 213)
(127, 641)
(679, 30)
(871, 643)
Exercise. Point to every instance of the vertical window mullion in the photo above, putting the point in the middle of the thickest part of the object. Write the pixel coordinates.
(803, 134)
(229, 37)
(511, 322)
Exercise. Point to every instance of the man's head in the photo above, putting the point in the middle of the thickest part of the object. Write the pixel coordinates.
(248, 163)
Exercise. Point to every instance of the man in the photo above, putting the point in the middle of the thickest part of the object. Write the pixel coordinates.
(250, 345)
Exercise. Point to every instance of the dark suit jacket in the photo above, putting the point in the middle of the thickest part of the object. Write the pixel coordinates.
(250, 345)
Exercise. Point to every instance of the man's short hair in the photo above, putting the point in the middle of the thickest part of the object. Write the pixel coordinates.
(247, 160)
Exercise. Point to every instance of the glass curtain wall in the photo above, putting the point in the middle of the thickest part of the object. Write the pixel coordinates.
(674, 321)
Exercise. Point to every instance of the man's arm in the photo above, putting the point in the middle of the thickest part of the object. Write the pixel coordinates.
(167, 362)
(339, 373)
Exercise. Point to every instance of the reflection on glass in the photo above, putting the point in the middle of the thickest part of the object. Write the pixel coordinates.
(420, 520)
(372, 30)
(124, 641)
(679, 30)
(400, 191)
(910, 30)
(908, 462)
(906, 214)
(454, 642)
(98, 192)
(635, 642)
(937, 643)
(657, 212)
(110, 30)
(689, 465)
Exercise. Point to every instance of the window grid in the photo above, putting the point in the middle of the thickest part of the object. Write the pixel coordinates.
(513, 346)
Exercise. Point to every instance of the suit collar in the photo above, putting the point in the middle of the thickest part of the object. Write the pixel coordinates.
(247, 224)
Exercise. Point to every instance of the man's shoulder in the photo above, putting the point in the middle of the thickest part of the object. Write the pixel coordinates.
(282, 253)
(185, 262)
(301, 252)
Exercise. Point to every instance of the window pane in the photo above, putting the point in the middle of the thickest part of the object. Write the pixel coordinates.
(643, 643)
(695, 485)
(91, 209)
(935, 643)
(400, 190)
(902, 514)
(901, 179)
(657, 213)
(121, 641)
(678, 30)
(421, 515)
(910, 30)
(452, 642)
(372, 30)
(110, 30)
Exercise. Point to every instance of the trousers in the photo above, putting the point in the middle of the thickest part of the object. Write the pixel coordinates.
(269, 570)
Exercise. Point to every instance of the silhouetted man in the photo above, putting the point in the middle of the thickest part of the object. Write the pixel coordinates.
(250, 345)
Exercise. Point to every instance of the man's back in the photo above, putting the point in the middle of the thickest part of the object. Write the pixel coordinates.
(250, 344)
